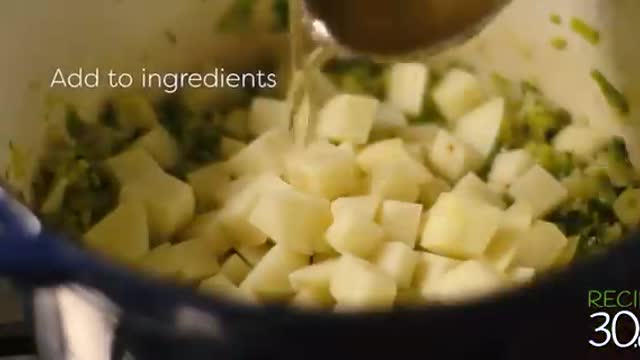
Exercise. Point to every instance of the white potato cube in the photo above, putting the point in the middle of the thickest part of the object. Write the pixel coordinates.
(264, 154)
(507, 167)
(407, 86)
(269, 279)
(460, 227)
(219, 285)
(541, 246)
(581, 141)
(424, 134)
(352, 234)
(451, 157)
(162, 262)
(527, 188)
(389, 121)
(358, 284)
(229, 147)
(394, 181)
(397, 260)
(431, 190)
(348, 117)
(134, 111)
(393, 151)
(458, 93)
(469, 280)
(569, 252)
(429, 270)
(480, 128)
(122, 234)
(161, 146)
(131, 165)
(317, 276)
(518, 216)
(521, 275)
(313, 298)
(236, 124)
(366, 206)
(295, 220)
(253, 254)
(170, 203)
(197, 258)
(323, 170)
(209, 228)
(400, 221)
(235, 269)
(471, 185)
(210, 185)
(503, 248)
(235, 215)
(267, 114)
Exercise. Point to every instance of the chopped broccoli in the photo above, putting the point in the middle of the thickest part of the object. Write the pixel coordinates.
(560, 164)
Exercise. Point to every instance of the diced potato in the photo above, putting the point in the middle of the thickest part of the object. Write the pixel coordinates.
(394, 181)
(135, 111)
(267, 114)
(323, 170)
(458, 93)
(169, 202)
(503, 247)
(122, 234)
(264, 154)
(400, 221)
(131, 165)
(541, 246)
(324, 256)
(429, 270)
(627, 207)
(460, 227)
(357, 284)
(407, 86)
(471, 185)
(521, 275)
(431, 190)
(236, 124)
(208, 228)
(451, 157)
(480, 128)
(397, 260)
(409, 298)
(389, 121)
(197, 258)
(235, 269)
(518, 216)
(527, 188)
(581, 141)
(235, 215)
(295, 220)
(507, 167)
(469, 280)
(393, 151)
(424, 134)
(161, 262)
(317, 276)
(417, 152)
(313, 298)
(352, 234)
(161, 146)
(210, 185)
(367, 206)
(347, 117)
(229, 147)
(220, 285)
(569, 251)
(269, 279)
(253, 254)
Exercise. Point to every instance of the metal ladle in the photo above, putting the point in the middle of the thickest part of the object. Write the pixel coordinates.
(396, 28)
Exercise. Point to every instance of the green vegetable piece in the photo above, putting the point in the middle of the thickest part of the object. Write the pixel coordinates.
(559, 43)
(281, 10)
(560, 164)
(614, 97)
(238, 18)
(555, 19)
(627, 207)
(585, 30)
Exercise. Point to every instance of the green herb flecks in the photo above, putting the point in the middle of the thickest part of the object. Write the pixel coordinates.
(614, 97)
(555, 19)
(585, 30)
(559, 43)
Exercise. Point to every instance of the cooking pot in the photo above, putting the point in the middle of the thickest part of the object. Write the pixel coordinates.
(88, 308)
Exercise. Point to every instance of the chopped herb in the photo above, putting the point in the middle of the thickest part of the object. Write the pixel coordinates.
(171, 37)
(587, 32)
(281, 11)
(614, 97)
(238, 18)
(559, 43)
(556, 19)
